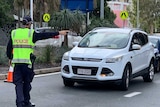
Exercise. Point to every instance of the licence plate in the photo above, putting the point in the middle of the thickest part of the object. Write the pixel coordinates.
(84, 71)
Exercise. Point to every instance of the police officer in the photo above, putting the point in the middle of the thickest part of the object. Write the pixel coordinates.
(20, 54)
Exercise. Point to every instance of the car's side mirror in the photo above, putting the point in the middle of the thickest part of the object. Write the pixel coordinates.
(74, 44)
(136, 47)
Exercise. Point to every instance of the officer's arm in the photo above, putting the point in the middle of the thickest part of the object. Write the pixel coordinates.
(9, 49)
(46, 35)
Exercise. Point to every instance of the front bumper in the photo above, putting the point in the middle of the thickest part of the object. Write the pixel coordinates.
(85, 81)
(96, 70)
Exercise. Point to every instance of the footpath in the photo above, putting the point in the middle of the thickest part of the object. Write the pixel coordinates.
(3, 76)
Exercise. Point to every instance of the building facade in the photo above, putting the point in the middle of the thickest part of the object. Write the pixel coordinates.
(117, 6)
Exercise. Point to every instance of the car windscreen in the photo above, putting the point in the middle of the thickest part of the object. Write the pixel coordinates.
(153, 41)
(109, 40)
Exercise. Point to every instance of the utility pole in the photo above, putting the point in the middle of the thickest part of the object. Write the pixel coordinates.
(138, 25)
(87, 14)
(31, 11)
(102, 9)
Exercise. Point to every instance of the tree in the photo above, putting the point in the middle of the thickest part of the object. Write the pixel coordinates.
(79, 17)
(149, 12)
(66, 19)
(44, 6)
(40, 7)
(53, 5)
(108, 20)
(5, 11)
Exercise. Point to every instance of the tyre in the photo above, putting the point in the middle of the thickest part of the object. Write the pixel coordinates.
(68, 83)
(150, 74)
(125, 79)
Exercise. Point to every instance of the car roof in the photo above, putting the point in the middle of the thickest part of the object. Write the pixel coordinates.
(154, 36)
(44, 28)
(123, 30)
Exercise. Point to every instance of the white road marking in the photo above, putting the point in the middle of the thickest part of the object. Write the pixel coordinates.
(43, 75)
(132, 94)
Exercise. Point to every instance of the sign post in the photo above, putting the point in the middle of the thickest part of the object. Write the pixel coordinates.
(46, 17)
(124, 16)
(31, 11)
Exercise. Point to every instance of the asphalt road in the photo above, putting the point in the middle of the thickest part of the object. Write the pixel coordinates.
(49, 91)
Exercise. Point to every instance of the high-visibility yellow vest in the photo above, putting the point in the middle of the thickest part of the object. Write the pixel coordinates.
(22, 45)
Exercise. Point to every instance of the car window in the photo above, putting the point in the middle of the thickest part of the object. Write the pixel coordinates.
(110, 40)
(153, 41)
(143, 39)
(139, 38)
(135, 40)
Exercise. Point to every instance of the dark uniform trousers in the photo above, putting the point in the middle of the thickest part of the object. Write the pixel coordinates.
(22, 78)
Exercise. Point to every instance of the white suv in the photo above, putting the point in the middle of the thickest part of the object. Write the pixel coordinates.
(109, 54)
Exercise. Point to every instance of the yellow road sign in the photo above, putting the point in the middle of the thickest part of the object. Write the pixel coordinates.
(46, 17)
(124, 15)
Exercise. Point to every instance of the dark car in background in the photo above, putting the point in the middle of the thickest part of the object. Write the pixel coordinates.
(155, 40)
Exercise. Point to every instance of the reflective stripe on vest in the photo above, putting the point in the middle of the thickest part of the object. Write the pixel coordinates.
(20, 61)
(23, 46)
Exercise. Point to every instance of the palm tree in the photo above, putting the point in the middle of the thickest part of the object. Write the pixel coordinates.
(66, 19)
(79, 17)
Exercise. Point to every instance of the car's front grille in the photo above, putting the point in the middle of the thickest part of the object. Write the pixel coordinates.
(87, 59)
(93, 70)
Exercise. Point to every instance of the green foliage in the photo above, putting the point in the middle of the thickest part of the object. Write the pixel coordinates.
(108, 20)
(3, 57)
(149, 13)
(47, 53)
(62, 19)
(100, 23)
(108, 14)
(5, 12)
(44, 55)
(66, 19)
(50, 54)
(58, 53)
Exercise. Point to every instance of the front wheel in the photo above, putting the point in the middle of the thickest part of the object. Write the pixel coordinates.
(150, 75)
(125, 79)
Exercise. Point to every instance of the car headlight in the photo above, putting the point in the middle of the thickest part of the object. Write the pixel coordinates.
(113, 60)
(66, 56)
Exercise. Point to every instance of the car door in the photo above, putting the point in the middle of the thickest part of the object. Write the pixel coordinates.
(136, 58)
(145, 49)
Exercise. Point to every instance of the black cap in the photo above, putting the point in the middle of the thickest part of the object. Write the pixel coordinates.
(27, 20)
